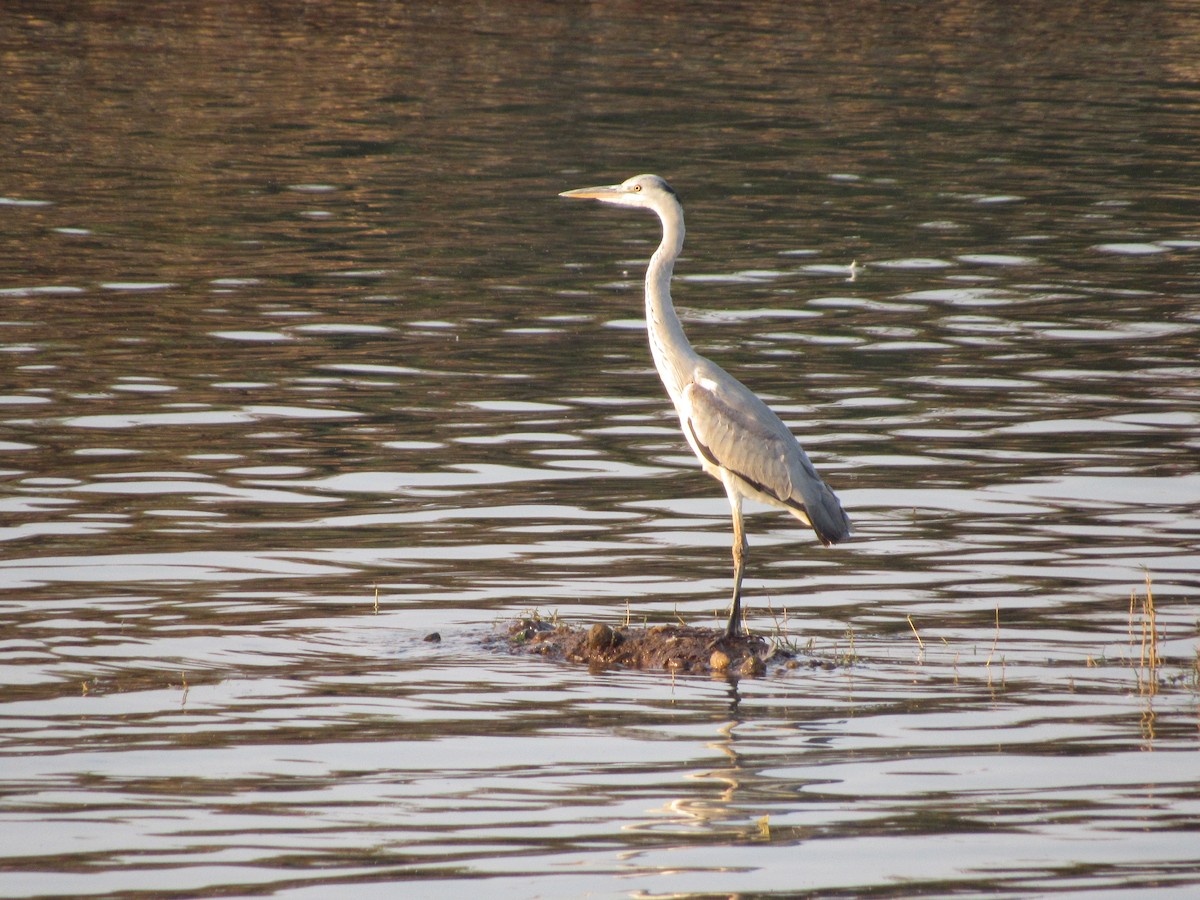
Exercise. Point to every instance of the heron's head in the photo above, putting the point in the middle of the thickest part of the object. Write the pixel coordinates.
(646, 191)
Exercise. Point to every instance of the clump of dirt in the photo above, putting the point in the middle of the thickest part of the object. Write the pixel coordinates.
(673, 648)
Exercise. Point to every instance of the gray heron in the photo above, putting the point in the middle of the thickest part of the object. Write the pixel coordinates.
(735, 435)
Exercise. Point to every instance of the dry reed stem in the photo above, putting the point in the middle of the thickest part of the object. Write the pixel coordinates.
(920, 643)
(1149, 659)
(1150, 622)
(1132, 607)
(995, 639)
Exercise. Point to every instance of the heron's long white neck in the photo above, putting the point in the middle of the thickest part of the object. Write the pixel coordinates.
(673, 355)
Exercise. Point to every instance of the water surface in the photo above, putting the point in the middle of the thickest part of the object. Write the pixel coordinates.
(305, 360)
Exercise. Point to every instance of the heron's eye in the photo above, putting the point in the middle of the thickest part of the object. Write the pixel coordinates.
(637, 188)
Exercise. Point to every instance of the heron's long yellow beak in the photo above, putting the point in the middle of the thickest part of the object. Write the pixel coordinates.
(603, 192)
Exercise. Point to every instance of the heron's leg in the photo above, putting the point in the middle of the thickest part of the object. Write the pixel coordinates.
(739, 565)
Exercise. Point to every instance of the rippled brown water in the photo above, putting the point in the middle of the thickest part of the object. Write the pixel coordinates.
(304, 359)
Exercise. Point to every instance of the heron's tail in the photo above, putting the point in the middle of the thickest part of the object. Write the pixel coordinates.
(827, 517)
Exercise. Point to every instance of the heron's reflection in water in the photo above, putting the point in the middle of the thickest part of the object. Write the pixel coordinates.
(714, 805)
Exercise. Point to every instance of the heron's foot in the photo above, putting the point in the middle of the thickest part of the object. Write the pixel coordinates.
(733, 627)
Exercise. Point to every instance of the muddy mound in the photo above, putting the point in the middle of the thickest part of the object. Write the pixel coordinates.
(673, 648)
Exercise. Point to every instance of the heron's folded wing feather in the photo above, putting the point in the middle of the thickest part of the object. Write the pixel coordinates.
(738, 437)
(734, 429)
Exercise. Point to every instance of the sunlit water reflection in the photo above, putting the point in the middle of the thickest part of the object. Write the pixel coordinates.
(305, 362)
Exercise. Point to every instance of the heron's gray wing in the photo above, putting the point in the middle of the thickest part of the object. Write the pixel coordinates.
(738, 437)
(735, 430)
